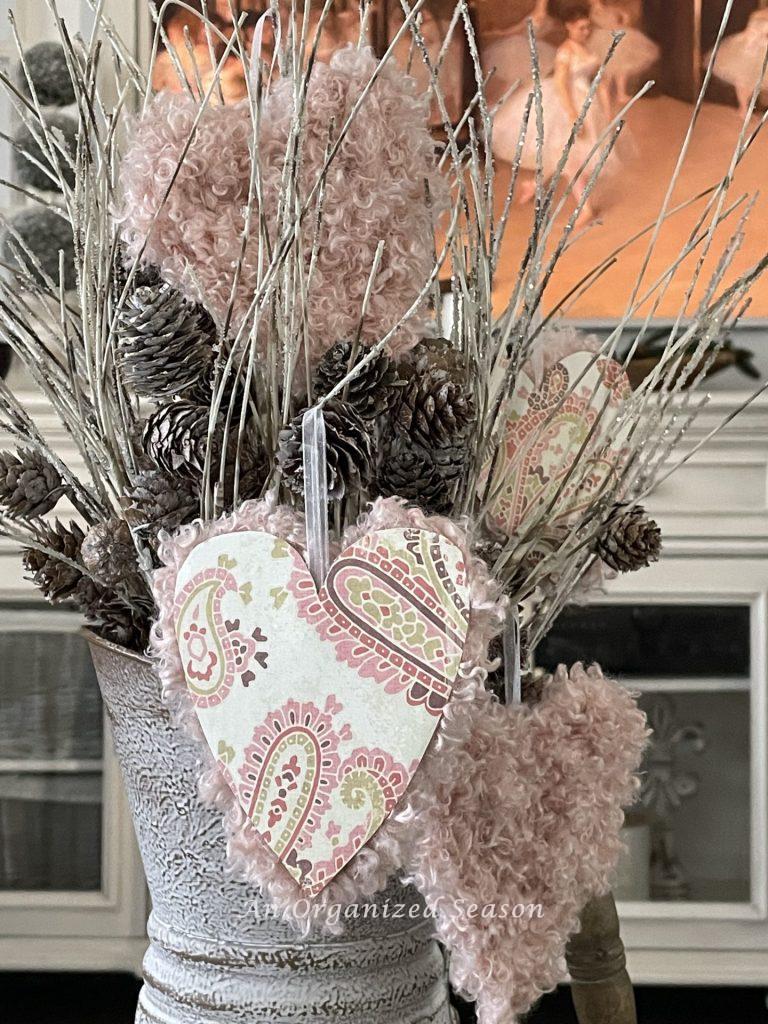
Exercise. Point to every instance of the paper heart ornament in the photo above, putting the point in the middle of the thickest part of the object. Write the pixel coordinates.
(545, 475)
(319, 705)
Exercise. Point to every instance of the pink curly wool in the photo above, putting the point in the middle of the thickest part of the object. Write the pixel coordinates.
(375, 191)
(526, 811)
(511, 805)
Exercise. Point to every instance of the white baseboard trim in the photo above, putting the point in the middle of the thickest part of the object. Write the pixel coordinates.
(72, 954)
(698, 967)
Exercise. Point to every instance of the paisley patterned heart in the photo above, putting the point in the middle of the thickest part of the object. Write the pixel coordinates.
(560, 444)
(319, 705)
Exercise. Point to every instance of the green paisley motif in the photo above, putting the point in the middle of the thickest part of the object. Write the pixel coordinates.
(407, 629)
(439, 585)
(358, 786)
(287, 828)
(424, 566)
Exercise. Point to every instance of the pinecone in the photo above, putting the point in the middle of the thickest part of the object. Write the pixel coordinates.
(426, 452)
(122, 625)
(631, 540)
(56, 579)
(29, 485)
(109, 554)
(203, 393)
(436, 354)
(428, 479)
(161, 502)
(176, 438)
(112, 618)
(165, 345)
(349, 451)
(146, 276)
(436, 408)
(370, 392)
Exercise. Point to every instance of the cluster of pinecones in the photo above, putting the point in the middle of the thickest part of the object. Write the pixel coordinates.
(166, 349)
(31, 488)
(396, 429)
(106, 589)
(403, 429)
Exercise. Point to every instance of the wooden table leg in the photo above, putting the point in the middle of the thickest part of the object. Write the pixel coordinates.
(600, 986)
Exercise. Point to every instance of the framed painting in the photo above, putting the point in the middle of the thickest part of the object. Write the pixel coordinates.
(663, 55)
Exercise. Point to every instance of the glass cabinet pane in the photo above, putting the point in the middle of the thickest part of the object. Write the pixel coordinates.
(49, 698)
(696, 796)
(50, 831)
(51, 749)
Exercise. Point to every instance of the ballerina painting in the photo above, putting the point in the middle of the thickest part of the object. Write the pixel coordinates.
(647, 91)
(740, 61)
(635, 55)
(506, 52)
(563, 96)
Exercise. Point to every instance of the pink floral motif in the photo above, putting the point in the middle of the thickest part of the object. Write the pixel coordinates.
(333, 830)
(245, 650)
(199, 653)
(287, 782)
(615, 378)
(205, 644)
(290, 769)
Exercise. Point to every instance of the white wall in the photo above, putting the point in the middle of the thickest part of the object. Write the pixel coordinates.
(36, 22)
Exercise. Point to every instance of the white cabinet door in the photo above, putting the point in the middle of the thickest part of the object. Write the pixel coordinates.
(689, 634)
(72, 892)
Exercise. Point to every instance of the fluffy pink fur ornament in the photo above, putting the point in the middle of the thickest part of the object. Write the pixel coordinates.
(511, 806)
(375, 191)
(525, 813)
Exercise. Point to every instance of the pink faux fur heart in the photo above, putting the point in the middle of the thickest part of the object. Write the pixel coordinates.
(526, 813)
(375, 191)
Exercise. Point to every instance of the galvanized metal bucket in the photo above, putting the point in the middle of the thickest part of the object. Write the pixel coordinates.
(216, 954)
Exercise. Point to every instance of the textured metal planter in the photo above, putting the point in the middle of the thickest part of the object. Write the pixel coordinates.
(215, 957)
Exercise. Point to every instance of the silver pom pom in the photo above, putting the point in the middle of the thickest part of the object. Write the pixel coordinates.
(51, 80)
(44, 233)
(27, 151)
